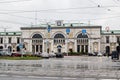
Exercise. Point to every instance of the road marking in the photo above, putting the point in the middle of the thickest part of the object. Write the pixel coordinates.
(107, 79)
(69, 78)
(43, 77)
(3, 75)
(34, 77)
(51, 77)
(16, 76)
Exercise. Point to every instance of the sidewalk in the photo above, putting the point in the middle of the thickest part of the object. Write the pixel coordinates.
(70, 66)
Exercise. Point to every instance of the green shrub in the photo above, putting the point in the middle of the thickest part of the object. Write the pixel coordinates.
(76, 53)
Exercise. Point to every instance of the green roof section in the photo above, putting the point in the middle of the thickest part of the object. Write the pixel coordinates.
(10, 33)
(67, 25)
(110, 32)
(63, 25)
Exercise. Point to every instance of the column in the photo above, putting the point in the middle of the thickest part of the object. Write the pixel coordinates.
(80, 48)
(84, 48)
(30, 45)
(38, 48)
(89, 46)
(43, 46)
(99, 46)
(35, 48)
(75, 45)
(52, 45)
(66, 45)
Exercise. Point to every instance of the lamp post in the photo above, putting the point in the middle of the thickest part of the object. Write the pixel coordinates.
(5, 45)
(67, 32)
(5, 39)
(48, 28)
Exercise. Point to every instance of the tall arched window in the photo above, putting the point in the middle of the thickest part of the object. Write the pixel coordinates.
(82, 43)
(1, 48)
(59, 39)
(9, 48)
(107, 50)
(18, 49)
(37, 41)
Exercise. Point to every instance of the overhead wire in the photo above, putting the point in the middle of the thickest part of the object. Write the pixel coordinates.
(115, 2)
(6, 21)
(51, 11)
(13, 1)
(28, 11)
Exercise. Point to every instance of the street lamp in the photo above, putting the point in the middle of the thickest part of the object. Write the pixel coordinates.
(5, 45)
(67, 32)
(48, 28)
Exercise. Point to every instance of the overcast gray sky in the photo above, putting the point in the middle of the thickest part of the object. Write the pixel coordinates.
(19, 13)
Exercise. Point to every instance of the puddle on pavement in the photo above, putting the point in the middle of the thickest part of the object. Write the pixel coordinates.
(85, 65)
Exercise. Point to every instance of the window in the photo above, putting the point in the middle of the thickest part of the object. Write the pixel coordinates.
(9, 40)
(59, 39)
(107, 39)
(1, 40)
(59, 23)
(118, 39)
(18, 40)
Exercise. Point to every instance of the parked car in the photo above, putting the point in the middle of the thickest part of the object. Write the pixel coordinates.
(92, 54)
(115, 55)
(5, 53)
(99, 54)
(16, 54)
(59, 55)
(51, 54)
(38, 54)
(44, 55)
(27, 54)
(2, 53)
(8, 53)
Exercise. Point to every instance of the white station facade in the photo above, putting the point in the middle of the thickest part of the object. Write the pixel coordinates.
(62, 37)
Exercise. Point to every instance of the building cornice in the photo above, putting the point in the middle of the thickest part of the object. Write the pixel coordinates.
(60, 27)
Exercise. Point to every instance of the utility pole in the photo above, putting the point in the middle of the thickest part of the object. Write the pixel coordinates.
(4, 39)
(36, 18)
(48, 28)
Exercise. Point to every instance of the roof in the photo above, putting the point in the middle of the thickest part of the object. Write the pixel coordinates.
(68, 25)
(10, 33)
(111, 32)
(71, 25)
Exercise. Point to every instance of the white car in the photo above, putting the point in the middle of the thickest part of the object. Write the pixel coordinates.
(44, 55)
(51, 54)
(99, 54)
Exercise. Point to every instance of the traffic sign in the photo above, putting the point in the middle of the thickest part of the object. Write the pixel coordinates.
(67, 30)
(20, 45)
(49, 28)
(83, 31)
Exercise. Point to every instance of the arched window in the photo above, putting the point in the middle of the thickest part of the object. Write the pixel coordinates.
(1, 48)
(59, 39)
(59, 36)
(38, 40)
(108, 50)
(36, 36)
(37, 43)
(82, 36)
(82, 43)
(82, 39)
(9, 48)
(18, 49)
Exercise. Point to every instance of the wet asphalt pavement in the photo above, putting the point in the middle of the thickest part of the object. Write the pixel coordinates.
(74, 67)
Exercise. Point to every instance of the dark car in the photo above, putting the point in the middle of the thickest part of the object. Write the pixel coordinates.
(115, 55)
(15, 54)
(59, 55)
(92, 54)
